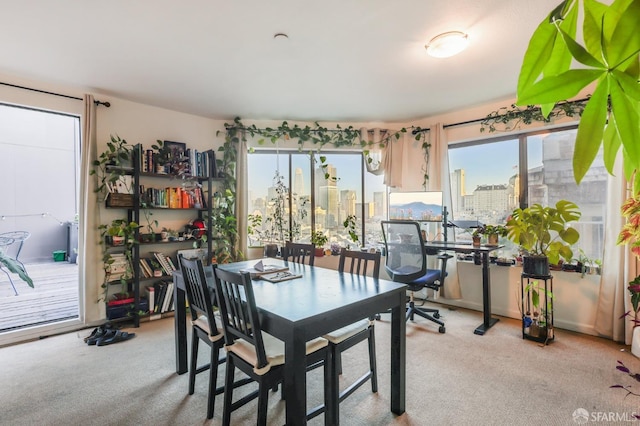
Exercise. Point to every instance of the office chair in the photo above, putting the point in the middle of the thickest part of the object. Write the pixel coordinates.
(406, 262)
(204, 327)
(299, 253)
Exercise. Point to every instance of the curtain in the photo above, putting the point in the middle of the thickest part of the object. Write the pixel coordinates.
(619, 267)
(376, 153)
(241, 188)
(392, 163)
(438, 171)
(89, 218)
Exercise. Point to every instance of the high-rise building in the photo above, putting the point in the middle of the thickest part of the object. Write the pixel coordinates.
(298, 182)
(457, 190)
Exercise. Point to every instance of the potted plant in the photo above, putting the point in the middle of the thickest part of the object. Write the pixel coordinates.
(110, 167)
(319, 239)
(126, 231)
(538, 304)
(545, 234)
(493, 233)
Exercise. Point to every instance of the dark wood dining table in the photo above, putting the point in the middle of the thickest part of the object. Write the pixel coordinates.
(301, 309)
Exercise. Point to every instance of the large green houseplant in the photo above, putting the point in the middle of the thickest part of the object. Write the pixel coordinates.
(545, 234)
(561, 61)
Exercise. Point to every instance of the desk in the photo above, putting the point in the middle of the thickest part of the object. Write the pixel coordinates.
(302, 309)
(484, 250)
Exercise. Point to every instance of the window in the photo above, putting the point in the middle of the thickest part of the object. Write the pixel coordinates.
(490, 178)
(338, 187)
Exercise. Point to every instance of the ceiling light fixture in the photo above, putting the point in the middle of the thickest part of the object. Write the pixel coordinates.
(447, 44)
(280, 36)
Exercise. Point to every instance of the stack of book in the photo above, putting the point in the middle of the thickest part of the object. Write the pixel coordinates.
(119, 267)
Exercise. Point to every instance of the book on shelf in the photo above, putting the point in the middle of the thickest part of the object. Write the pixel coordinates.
(160, 292)
(118, 302)
(168, 297)
(150, 291)
(164, 263)
(147, 267)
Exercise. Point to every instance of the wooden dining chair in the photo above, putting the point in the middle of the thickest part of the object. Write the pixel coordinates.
(256, 353)
(204, 327)
(299, 253)
(356, 263)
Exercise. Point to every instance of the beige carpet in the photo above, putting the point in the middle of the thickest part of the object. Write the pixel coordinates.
(456, 378)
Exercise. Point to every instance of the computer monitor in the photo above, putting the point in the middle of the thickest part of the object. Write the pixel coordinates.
(416, 205)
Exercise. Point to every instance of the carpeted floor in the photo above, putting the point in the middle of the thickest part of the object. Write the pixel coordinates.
(456, 378)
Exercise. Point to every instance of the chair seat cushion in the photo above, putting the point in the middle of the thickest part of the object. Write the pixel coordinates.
(427, 279)
(344, 333)
(203, 323)
(274, 349)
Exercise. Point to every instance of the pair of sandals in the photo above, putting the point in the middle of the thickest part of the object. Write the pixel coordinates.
(106, 335)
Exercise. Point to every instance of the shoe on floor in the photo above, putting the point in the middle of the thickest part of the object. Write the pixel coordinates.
(118, 336)
(100, 334)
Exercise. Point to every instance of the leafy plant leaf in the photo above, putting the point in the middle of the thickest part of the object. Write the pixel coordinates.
(556, 88)
(537, 54)
(626, 119)
(590, 132)
(625, 41)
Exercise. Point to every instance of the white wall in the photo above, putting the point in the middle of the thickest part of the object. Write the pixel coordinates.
(138, 123)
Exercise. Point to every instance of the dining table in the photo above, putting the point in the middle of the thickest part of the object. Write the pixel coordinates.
(295, 311)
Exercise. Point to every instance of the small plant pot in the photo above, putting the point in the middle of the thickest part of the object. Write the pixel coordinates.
(270, 250)
(535, 265)
(477, 241)
(319, 251)
(492, 239)
(117, 240)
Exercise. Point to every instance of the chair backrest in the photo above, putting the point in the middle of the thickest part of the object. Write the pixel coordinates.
(199, 293)
(360, 262)
(299, 253)
(238, 311)
(406, 259)
(18, 238)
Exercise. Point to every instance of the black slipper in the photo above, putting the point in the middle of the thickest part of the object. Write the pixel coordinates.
(100, 335)
(98, 332)
(119, 336)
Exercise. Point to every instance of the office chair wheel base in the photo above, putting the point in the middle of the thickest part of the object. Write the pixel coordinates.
(441, 329)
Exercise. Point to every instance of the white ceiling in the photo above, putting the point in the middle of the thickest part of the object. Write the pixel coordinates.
(344, 60)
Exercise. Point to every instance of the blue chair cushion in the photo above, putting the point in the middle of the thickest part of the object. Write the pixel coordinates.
(426, 280)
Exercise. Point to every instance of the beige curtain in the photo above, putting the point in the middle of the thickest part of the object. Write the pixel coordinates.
(438, 171)
(241, 195)
(88, 236)
(376, 152)
(619, 267)
(392, 159)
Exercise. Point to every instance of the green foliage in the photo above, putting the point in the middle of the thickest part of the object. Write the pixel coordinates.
(320, 136)
(127, 230)
(508, 119)
(319, 239)
(14, 266)
(545, 231)
(499, 230)
(224, 216)
(111, 164)
(350, 224)
(558, 66)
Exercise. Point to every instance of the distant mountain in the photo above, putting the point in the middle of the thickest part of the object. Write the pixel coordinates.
(415, 210)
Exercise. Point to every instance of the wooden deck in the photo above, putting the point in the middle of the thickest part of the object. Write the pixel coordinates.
(53, 298)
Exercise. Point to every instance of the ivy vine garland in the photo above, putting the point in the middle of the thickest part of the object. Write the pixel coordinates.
(509, 118)
(320, 136)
